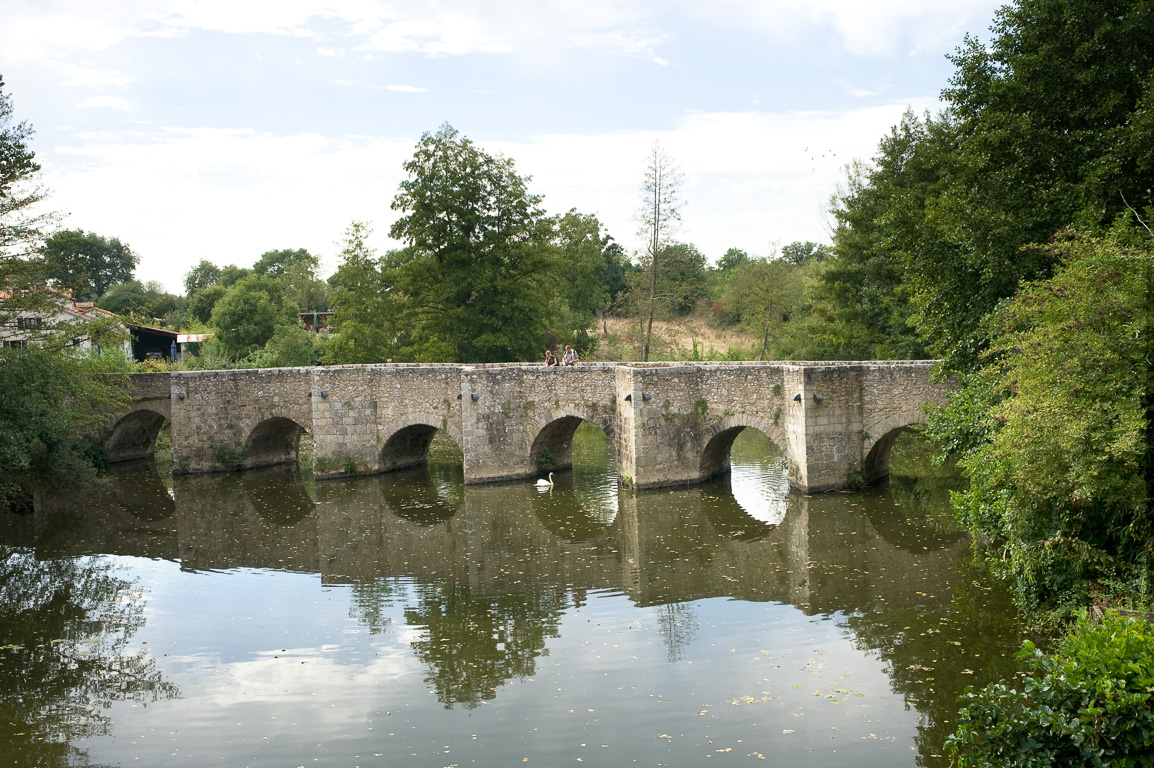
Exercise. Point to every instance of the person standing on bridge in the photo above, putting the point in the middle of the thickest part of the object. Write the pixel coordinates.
(550, 359)
(570, 357)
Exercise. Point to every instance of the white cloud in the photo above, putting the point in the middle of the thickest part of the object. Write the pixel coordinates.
(106, 102)
(875, 28)
(406, 89)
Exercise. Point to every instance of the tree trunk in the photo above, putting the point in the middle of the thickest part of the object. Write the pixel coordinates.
(652, 299)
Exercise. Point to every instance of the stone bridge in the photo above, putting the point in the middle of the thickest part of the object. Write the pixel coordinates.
(671, 423)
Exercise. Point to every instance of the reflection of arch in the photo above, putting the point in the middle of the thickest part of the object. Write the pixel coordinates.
(879, 442)
(407, 444)
(554, 433)
(273, 441)
(134, 436)
(719, 441)
(277, 494)
(416, 497)
(728, 517)
(141, 493)
(911, 530)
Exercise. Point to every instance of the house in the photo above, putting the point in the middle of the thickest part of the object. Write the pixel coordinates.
(53, 311)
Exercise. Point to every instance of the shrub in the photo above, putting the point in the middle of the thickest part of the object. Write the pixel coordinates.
(1089, 703)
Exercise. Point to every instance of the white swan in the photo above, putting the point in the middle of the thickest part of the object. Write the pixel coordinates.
(546, 483)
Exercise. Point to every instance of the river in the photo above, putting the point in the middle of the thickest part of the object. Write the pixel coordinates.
(263, 619)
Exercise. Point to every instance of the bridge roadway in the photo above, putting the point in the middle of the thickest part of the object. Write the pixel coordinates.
(670, 423)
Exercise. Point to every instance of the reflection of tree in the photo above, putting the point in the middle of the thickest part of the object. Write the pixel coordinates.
(678, 625)
(64, 630)
(933, 654)
(473, 645)
(369, 601)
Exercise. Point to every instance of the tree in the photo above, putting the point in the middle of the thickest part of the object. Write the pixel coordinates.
(201, 276)
(773, 291)
(732, 259)
(618, 266)
(277, 263)
(87, 264)
(53, 398)
(479, 273)
(364, 312)
(246, 316)
(143, 300)
(54, 403)
(1061, 428)
(1048, 126)
(582, 293)
(658, 215)
(21, 224)
(861, 291)
(802, 253)
(201, 303)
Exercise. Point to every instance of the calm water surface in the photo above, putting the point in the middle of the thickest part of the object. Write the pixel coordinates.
(260, 619)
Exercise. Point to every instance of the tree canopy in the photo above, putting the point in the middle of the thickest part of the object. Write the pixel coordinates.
(478, 277)
(87, 264)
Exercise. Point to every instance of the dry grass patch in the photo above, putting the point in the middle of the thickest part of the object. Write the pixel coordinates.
(686, 339)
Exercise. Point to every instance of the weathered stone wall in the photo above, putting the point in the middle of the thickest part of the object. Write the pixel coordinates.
(670, 423)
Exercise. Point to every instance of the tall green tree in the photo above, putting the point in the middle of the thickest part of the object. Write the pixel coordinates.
(248, 313)
(581, 291)
(87, 264)
(201, 276)
(1049, 127)
(22, 222)
(479, 273)
(364, 311)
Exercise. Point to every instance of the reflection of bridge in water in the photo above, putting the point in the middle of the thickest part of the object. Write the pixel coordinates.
(657, 548)
(670, 424)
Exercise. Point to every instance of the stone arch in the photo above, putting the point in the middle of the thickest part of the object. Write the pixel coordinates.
(878, 442)
(407, 444)
(554, 430)
(273, 441)
(719, 439)
(134, 436)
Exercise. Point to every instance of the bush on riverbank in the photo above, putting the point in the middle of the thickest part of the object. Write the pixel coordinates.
(1089, 703)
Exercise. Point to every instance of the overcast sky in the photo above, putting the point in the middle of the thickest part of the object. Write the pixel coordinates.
(221, 129)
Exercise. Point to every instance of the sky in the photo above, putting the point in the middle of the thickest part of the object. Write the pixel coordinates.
(221, 129)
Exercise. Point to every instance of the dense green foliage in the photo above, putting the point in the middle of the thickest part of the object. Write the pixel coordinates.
(1047, 125)
(21, 223)
(144, 301)
(1090, 703)
(1059, 478)
(478, 278)
(54, 402)
(86, 264)
(363, 309)
(54, 399)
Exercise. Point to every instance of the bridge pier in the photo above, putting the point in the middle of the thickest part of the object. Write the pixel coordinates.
(670, 424)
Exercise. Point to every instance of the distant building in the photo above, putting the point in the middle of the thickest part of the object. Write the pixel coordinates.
(150, 343)
(317, 322)
(59, 311)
